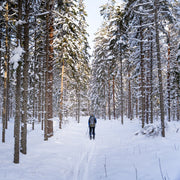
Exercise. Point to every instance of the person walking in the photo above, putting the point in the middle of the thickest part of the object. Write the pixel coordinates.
(92, 124)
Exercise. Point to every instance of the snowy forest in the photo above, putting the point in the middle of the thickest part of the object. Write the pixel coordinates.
(48, 72)
(135, 70)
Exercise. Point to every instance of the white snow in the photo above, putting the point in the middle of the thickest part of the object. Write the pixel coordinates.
(2, 50)
(16, 57)
(115, 154)
(20, 22)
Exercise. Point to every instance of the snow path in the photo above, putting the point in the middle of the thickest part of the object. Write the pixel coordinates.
(115, 154)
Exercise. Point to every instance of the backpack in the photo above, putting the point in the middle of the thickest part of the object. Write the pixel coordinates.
(92, 121)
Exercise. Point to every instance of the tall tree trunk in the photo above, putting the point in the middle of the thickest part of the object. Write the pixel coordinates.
(142, 76)
(46, 75)
(17, 116)
(49, 70)
(114, 105)
(46, 96)
(18, 90)
(151, 80)
(137, 114)
(35, 65)
(147, 85)
(7, 89)
(4, 117)
(61, 97)
(168, 81)
(79, 104)
(109, 97)
(129, 95)
(121, 88)
(25, 81)
(121, 81)
(104, 104)
(43, 106)
(40, 90)
(7, 60)
(34, 95)
(159, 68)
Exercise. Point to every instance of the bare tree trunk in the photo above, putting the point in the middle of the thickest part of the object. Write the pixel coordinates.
(7, 100)
(4, 117)
(104, 105)
(151, 81)
(49, 70)
(7, 67)
(61, 98)
(43, 93)
(137, 114)
(46, 75)
(79, 104)
(18, 91)
(129, 95)
(121, 89)
(159, 68)
(25, 81)
(109, 97)
(114, 105)
(142, 76)
(147, 85)
(40, 91)
(50, 73)
(168, 80)
(18, 115)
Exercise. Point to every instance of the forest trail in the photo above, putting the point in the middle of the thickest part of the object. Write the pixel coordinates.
(115, 154)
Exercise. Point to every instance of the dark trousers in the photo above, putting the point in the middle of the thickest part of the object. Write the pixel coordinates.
(92, 132)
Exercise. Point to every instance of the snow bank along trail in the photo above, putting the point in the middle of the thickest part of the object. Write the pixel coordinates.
(115, 154)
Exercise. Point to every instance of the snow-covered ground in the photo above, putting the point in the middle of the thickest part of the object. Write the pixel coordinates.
(115, 154)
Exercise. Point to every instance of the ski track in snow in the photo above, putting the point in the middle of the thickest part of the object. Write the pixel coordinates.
(82, 166)
(115, 154)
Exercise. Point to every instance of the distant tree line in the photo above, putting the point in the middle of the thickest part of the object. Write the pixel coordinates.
(136, 62)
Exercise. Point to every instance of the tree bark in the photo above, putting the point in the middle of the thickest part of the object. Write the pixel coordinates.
(18, 90)
(142, 76)
(129, 95)
(61, 97)
(79, 104)
(49, 71)
(168, 80)
(121, 81)
(151, 81)
(159, 68)
(109, 97)
(114, 105)
(18, 115)
(4, 117)
(25, 81)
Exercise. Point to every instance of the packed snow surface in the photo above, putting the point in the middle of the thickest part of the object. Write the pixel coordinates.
(116, 153)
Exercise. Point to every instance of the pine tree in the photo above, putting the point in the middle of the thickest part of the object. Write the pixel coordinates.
(49, 71)
(18, 88)
(6, 73)
(25, 81)
(71, 52)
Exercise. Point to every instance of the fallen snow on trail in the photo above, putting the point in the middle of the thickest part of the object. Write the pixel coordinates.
(116, 153)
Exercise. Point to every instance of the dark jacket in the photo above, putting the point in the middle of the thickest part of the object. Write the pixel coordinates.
(95, 121)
